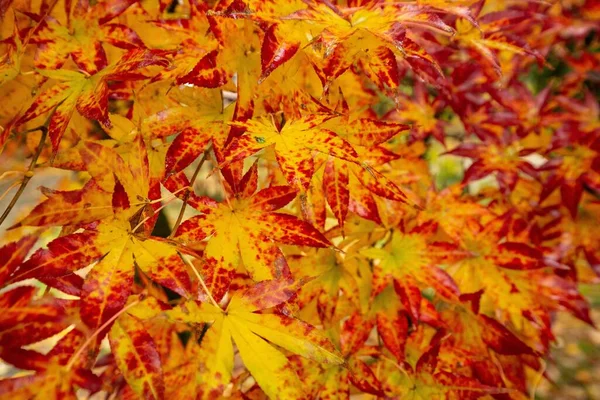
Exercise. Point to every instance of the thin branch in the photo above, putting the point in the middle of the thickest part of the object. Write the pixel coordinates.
(28, 174)
(189, 192)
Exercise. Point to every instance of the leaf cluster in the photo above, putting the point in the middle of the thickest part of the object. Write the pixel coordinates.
(294, 199)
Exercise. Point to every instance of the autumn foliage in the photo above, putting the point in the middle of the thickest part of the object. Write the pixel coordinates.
(295, 199)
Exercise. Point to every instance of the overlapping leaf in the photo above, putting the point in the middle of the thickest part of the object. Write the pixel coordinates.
(295, 144)
(250, 331)
(247, 230)
(88, 94)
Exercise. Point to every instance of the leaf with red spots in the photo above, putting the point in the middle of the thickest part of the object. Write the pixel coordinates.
(351, 185)
(502, 155)
(475, 333)
(27, 320)
(295, 144)
(275, 51)
(88, 94)
(427, 379)
(410, 261)
(56, 375)
(335, 186)
(107, 286)
(246, 231)
(363, 377)
(199, 120)
(137, 357)
(82, 37)
(10, 63)
(70, 207)
(372, 37)
(501, 339)
(206, 73)
(119, 187)
(392, 322)
(13, 254)
(267, 294)
(109, 283)
(515, 255)
(574, 161)
(488, 36)
(62, 256)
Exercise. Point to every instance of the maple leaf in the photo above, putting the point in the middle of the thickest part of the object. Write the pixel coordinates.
(106, 287)
(294, 143)
(250, 331)
(392, 320)
(239, 57)
(586, 112)
(336, 380)
(503, 155)
(442, 210)
(54, 378)
(137, 357)
(114, 240)
(186, 64)
(423, 379)
(488, 36)
(462, 8)
(410, 262)
(337, 281)
(532, 114)
(88, 94)
(421, 111)
(580, 233)
(275, 51)
(354, 333)
(511, 267)
(120, 186)
(199, 120)
(490, 334)
(27, 320)
(247, 229)
(573, 167)
(484, 120)
(87, 28)
(344, 192)
(373, 35)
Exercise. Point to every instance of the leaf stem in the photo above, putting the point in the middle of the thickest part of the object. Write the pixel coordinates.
(189, 191)
(191, 265)
(538, 380)
(168, 198)
(11, 187)
(100, 329)
(143, 221)
(9, 173)
(28, 174)
(220, 176)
